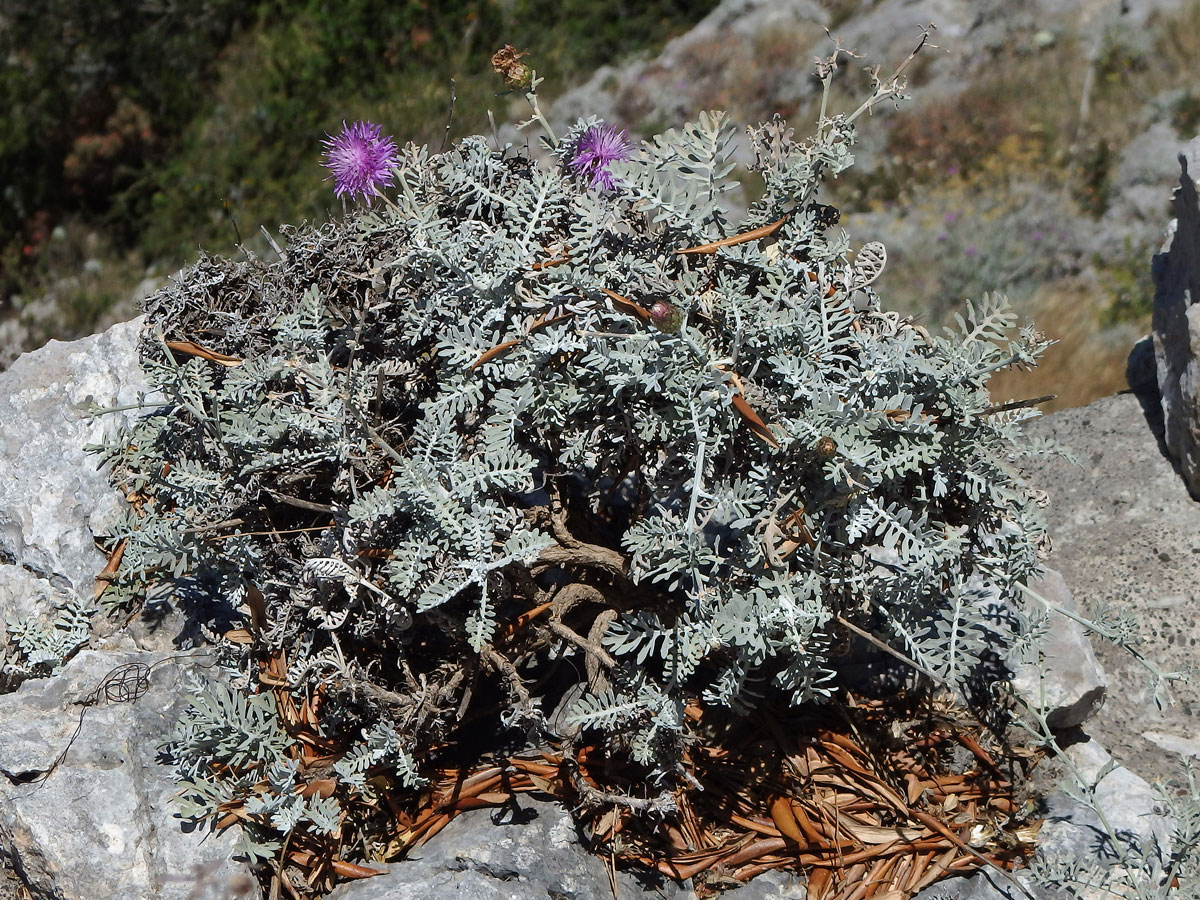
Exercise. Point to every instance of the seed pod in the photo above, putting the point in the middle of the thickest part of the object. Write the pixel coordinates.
(825, 447)
(665, 316)
(507, 63)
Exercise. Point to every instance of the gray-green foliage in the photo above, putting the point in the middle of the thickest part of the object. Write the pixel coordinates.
(230, 749)
(39, 644)
(1129, 866)
(223, 747)
(456, 407)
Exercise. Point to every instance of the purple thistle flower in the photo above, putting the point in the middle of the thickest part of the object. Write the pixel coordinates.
(598, 148)
(360, 159)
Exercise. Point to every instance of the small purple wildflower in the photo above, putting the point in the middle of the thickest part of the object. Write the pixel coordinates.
(598, 148)
(972, 251)
(360, 159)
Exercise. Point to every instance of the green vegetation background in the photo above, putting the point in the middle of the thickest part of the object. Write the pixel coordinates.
(136, 133)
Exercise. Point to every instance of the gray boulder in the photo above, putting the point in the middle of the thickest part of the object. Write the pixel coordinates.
(1069, 683)
(1073, 831)
(473, 858)
(1176, 324)
(100, 826)
(1127, 801)
(1126, 537)
(1061, 676)
(986, 885)
(51, 491)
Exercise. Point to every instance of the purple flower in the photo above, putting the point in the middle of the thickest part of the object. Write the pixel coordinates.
(360, 159)
(598, 148)
(972, 251)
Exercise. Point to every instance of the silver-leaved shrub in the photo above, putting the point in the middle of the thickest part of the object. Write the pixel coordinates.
(562, 453)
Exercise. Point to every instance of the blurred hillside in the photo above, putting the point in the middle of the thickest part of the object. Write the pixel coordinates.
(132, 134)
(1036, 158)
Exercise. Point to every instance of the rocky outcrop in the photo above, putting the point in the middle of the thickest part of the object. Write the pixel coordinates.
(1067, 681)
(1177, 324)
(51, 493)
(94, 823)
(1126, 538)
(85, 809)
(480, 856)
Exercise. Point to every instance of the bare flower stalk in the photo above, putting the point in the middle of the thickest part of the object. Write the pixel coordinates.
(531, 98)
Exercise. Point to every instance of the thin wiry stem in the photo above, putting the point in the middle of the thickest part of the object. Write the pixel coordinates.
(893, 88)
(532, 98)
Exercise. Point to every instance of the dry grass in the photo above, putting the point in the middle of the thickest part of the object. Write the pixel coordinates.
(1087, 363)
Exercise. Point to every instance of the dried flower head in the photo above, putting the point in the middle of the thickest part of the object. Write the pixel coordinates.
(598, 148)
(360, 158)
(507, 63)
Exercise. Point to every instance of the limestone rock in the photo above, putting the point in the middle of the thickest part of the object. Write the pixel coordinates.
(1127, 801)
(475, 859)
(51, 488)
(1073, 830)
(1126, 534)
(54, 499)
(538, 855)
(1176, 325)
(100, 825)
(986, 885)
(24, 595)
(1074, 684)
(1175, 743)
